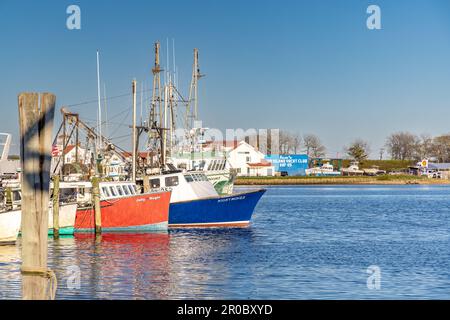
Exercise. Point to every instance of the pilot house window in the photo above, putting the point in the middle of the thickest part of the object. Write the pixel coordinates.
(155, 183)
(171, 181)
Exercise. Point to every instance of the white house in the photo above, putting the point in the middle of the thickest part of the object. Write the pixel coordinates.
(249, 161)
(70, 155)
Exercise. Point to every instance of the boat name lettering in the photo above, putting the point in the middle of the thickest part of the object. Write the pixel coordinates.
(232, 199)
(149, 198)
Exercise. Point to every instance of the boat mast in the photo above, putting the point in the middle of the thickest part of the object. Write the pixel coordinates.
(99, 112)
(106, 111)
(133, 87)
(155, 109)
(192, 115)
(196, 77)
(164, 129)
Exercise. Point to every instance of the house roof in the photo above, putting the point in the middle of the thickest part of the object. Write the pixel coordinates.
(439, 166)
(260, 164)
(140, 154)
(69, 148)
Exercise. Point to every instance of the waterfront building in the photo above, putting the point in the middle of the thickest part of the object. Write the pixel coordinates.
(289, 164)
(249, 161)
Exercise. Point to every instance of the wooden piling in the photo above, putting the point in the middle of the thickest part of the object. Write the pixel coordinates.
(96, 203)
(146, 180)
(9, 198)
(55, 179)
(36, 113)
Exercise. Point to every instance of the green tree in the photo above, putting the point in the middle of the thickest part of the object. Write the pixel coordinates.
(358, 150)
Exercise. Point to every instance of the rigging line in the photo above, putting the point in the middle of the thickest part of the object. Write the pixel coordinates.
(120, 137)
(113, 117)
(181, 96)
(126, 116)
(109, 122)
(121, 141)
(105, 99)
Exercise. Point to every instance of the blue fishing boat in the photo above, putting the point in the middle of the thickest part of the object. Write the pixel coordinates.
(196, 203)
(230, 211)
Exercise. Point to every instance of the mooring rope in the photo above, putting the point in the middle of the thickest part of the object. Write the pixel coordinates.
(52, 282)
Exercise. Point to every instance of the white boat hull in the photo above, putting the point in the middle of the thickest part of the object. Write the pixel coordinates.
(9, 226)
(67, 213)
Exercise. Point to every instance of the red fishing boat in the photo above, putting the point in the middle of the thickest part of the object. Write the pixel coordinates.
(123, 209)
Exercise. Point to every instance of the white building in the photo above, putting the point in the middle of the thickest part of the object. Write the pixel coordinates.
(249, 161)
(70, 155)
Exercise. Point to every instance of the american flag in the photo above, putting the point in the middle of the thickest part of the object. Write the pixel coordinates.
(55, 151)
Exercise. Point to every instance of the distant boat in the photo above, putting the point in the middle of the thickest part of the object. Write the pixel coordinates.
(352, 170)
(123, 209)
(374, 171)
(67, 211)
(8, 168)
(325, 170)
(9, 226)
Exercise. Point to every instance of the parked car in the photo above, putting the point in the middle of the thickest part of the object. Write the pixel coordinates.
(284, 173)
(433, 174)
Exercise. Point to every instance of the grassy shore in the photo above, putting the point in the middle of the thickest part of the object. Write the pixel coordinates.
(382, 180)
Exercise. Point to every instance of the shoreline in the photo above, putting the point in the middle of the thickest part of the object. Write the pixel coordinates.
(361, 180)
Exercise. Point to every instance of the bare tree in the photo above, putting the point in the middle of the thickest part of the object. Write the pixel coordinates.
(289, 142)
(441, 148)
(425, 147)
(402, 145)
(313, 146)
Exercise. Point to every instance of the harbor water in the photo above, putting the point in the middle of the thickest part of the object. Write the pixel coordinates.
(305, 242)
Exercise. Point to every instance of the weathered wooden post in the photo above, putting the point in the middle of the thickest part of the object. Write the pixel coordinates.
(9, 200)
(36, 113)
(96, 202)
(55, 179)
(146, 183)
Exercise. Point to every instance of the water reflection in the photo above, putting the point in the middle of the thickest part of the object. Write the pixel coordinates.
(175, 265)
(10, 283)
(303, 244)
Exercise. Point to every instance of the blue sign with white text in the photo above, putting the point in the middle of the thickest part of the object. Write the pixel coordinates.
(293, 164)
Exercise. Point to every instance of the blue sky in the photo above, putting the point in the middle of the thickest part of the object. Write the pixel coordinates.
(304, 66)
